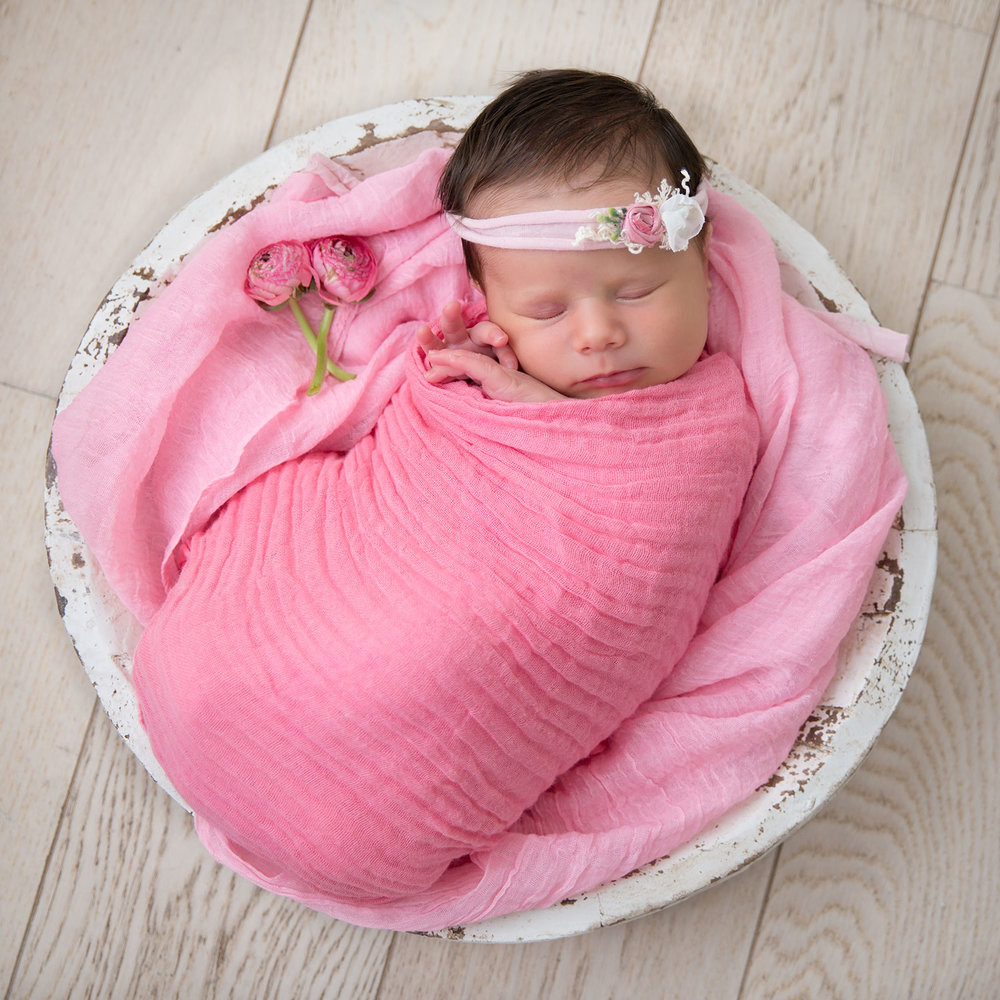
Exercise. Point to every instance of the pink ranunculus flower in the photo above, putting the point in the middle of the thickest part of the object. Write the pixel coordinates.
(643, 225)
(345, 268)
(277, 271)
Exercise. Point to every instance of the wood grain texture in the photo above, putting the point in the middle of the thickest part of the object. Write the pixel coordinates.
(132, 906)
(120, 120)
(45, 700)
(976, 15)
(671, 955)
(970, 249)
(848, 115)
(437, 48)
(894, 891)
(839, 113)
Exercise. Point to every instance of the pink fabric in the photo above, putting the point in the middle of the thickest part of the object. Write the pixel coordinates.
(206, 394)
(373, 664)
(207, 390)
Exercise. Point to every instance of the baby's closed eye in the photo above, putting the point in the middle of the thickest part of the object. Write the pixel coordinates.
(542, 310)
(639, 292)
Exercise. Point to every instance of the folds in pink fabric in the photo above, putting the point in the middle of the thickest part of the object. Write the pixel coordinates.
(373, 664)
(206, 397)
(207, 390)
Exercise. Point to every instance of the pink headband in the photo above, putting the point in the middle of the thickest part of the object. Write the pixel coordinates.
(669, 219)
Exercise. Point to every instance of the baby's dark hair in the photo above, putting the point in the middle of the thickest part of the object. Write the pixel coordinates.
(552, 124)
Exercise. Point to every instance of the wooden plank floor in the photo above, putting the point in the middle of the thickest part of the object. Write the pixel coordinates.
(874, 124)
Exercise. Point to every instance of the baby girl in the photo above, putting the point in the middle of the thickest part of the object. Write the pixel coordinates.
(572, 160)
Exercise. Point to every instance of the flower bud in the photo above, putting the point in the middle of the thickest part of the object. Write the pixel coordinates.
(277, 271)
(345, 268)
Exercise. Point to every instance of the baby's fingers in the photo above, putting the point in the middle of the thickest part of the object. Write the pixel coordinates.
(427, 338)
(487, 334)
(457, 363)
(453, 330)
(496, 381)
(506, 356)
(440, 371)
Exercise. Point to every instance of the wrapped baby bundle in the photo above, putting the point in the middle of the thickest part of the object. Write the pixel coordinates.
(372, 664)
(416, 657)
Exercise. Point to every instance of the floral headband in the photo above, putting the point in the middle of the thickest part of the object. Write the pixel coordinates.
(670, 219)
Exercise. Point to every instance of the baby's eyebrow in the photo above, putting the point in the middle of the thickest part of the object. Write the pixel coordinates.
(532, 306)
(536, 298)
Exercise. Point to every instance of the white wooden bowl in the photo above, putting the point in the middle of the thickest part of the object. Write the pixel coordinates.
(876, 657)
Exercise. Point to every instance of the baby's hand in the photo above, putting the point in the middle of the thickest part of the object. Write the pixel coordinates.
(481, 354)
(484, 338)
(496, 380)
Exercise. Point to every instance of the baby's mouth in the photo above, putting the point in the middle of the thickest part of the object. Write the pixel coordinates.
(613, 379)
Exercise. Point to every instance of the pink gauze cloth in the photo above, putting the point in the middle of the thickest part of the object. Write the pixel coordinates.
(478, 781)
(373, 664)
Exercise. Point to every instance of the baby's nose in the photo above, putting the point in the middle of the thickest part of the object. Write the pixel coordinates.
(599, 327)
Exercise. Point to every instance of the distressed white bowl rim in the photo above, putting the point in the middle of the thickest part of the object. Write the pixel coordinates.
(876, 658)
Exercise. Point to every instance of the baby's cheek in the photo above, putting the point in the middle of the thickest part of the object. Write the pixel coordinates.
(519, 345)
(531, 360)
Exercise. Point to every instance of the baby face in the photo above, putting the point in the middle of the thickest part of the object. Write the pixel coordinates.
(594, 322)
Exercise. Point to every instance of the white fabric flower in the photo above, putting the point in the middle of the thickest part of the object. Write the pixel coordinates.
(683, 219)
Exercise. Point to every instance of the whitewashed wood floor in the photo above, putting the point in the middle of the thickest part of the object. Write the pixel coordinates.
(874, 124)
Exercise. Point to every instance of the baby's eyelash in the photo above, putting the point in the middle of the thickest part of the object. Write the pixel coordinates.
(638, 294)
(546, 312)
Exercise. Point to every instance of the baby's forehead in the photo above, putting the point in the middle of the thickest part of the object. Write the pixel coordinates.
(558, 273)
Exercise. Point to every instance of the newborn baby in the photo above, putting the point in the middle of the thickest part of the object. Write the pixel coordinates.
(629, 312)
(374, 663)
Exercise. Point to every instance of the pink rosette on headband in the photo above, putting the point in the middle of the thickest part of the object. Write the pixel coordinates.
(643, 224)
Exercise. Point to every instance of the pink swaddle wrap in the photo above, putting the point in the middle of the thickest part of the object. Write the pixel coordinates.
(373, 664)
(697, 701)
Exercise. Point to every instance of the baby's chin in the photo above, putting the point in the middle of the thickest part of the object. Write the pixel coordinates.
(601, 393)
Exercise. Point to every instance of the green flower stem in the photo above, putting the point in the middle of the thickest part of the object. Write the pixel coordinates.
(320, 373)
(338, 373)
(307, 330)
(311, 339)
